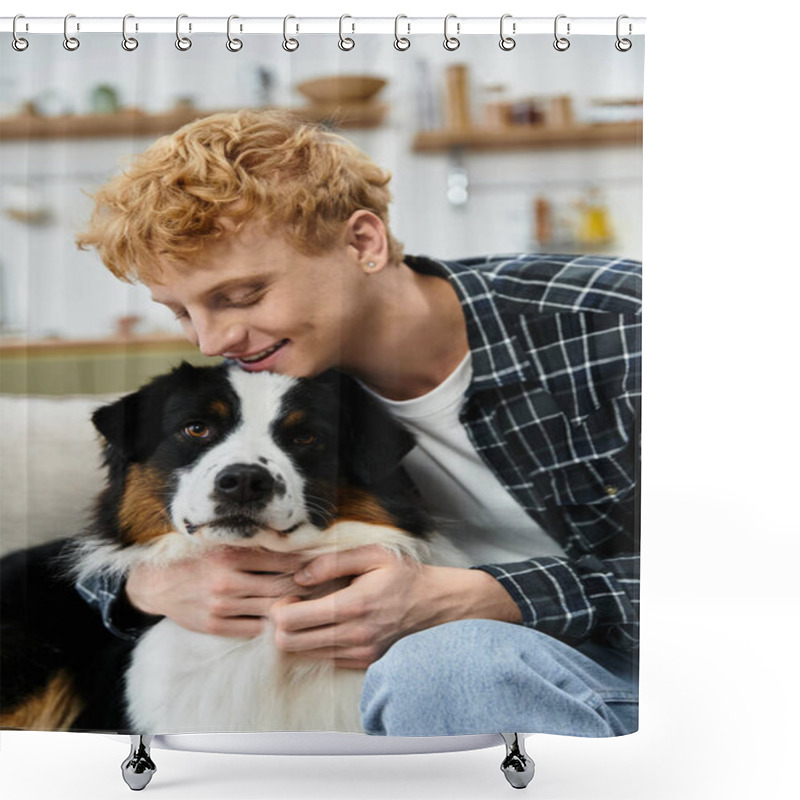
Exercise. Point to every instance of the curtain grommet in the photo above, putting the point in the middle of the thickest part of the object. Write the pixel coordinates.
(129, 43)
(234, 45)
(346, 43)
(451, 43)
(401, 43)
(183, 43)
(71, 43)
(507, 43)
(623, 45)
(18, 42)
(289, 44)
(561, 43)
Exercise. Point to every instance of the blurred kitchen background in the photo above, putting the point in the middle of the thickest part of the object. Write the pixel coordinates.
(491, 151)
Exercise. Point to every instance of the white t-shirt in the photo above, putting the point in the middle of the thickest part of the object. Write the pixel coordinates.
(470, 505)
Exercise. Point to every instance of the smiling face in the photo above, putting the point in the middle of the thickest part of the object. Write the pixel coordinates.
(253, 298)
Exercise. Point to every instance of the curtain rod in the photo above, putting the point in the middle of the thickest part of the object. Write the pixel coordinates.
(349, 25)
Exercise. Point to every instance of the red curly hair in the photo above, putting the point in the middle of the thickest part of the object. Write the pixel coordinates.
(296, 177)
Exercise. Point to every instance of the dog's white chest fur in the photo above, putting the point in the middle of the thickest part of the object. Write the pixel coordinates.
(180, 681)
(185, 682)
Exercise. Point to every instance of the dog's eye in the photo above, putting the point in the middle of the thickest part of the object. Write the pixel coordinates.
(305, 439)
(197, 430)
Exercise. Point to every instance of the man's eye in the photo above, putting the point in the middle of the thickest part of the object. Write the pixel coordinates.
(243, 302)
(243, 299)
(197, 430)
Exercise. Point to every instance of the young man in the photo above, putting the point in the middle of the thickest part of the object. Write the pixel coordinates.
(268, 238)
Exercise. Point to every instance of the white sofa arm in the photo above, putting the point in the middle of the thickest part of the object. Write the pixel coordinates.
(50, 467)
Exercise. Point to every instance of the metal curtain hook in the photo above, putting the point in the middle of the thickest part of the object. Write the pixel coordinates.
(561, 43)
(182, 42)
(128, 42)
(70, 42)
(290, 45)
(623, 45)
(18, 43)
(234, 45)
(507, 42)
(451, 42)
(346, 43)
(400, 42)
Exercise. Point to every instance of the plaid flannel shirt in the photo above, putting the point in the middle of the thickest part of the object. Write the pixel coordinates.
(553, 410)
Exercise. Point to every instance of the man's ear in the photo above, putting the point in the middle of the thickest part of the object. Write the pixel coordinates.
(366, 233)
(373, 443)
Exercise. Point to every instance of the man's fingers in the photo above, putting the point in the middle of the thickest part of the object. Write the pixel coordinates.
(234, 627)
(257, 559)
(309, 614)
(331, 566)
(324, 639)
(329, 645)
(234, 585)
(285, 602)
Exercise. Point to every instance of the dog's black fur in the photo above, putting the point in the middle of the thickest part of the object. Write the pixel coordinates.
(46, 627)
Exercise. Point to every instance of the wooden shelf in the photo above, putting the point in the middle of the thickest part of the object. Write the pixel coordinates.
(517, 137)
(24, 348)
(90, 366)
(133, 122)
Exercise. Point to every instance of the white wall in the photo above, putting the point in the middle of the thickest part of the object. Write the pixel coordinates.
(51, 288)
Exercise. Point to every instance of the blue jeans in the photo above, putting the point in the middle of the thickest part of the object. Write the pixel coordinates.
(479, 676)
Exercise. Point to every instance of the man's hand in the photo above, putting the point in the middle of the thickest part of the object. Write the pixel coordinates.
(388, 598)
(226, 592)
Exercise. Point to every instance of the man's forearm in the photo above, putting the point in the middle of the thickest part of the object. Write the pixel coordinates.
(471, 594)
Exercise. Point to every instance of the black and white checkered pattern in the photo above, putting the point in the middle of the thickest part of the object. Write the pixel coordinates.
(553, 410)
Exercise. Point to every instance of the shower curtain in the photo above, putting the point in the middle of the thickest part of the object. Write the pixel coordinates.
(480, 574)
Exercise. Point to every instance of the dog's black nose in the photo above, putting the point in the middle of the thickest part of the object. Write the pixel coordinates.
(244, 483)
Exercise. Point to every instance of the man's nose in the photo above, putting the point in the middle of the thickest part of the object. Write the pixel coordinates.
(216, 339)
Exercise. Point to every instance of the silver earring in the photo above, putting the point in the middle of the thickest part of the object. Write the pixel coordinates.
(371, 264)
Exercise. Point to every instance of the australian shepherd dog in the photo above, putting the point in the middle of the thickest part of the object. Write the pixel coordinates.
(200, 458)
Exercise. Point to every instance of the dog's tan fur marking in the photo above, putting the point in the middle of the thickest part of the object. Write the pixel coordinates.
(294, 418)
(54, 708)
(359, 505)
(142, 515)
(220, 409)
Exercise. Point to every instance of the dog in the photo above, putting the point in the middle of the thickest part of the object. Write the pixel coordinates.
(208, 456)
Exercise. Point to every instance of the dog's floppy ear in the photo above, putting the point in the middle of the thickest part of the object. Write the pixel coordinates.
(119, 424)
(131, 426)
(372, 442)
(128, 424)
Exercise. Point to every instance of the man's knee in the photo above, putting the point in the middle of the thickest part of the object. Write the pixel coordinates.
(473, 675)
(432, 670)
(452, 654)
(442, 675)
(467, 649)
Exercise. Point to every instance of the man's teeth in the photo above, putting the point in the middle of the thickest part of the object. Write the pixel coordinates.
(262, 354)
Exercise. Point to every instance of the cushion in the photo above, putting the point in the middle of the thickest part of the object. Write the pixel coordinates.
(50, 467)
